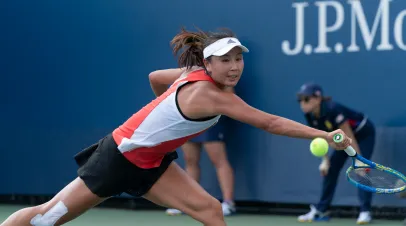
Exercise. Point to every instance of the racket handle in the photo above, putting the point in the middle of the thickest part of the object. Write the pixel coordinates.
(338, 138)
(350, 151)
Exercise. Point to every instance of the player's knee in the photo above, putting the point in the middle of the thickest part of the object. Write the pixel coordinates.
(211, 209)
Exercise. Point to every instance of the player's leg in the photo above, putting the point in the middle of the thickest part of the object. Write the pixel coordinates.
(191, 154)
(318, 212)
(216, 151)
(178, 190)
(69, 203)
(366, 146)
(102, 174)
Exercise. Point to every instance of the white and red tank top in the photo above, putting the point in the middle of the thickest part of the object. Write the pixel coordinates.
(160, 127)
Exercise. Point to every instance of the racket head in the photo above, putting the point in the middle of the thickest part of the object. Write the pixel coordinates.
(375, 178)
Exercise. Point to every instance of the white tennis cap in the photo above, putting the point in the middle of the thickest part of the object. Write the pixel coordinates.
(222, 46)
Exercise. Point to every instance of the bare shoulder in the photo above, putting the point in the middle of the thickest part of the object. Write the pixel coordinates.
(203, 91)
(196, 99)
(206, 99)
(217, 101)
(211, 93)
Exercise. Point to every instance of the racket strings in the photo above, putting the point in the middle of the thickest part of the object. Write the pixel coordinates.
(376, 178)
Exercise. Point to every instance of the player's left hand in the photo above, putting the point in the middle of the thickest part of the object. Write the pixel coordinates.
(339, 146)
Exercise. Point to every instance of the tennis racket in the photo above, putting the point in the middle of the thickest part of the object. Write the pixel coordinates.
(371, 176)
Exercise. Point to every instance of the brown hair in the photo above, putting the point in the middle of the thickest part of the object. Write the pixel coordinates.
(193, 43)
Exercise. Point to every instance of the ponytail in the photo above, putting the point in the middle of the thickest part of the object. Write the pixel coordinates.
(192, 44)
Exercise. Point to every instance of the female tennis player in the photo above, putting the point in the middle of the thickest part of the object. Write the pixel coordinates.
(137, 157)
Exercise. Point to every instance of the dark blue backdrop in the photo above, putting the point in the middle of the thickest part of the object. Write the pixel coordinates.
(71, 71)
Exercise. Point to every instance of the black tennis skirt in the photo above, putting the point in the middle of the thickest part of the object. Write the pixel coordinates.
(106, 172)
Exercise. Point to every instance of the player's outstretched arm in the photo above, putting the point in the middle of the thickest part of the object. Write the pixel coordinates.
(161, 79)
(234, 107)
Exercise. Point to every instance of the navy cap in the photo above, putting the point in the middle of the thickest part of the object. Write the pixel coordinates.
(310, 89)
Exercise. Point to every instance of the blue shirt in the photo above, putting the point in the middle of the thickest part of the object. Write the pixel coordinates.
(333, 115)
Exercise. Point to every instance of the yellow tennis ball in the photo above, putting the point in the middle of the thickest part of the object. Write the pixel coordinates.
(319, 147)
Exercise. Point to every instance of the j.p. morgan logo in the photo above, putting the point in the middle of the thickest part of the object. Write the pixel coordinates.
(358, 34)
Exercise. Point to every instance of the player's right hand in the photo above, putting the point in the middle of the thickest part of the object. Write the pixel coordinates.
(339, 146)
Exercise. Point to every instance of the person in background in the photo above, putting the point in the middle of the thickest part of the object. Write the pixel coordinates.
(324, 114)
